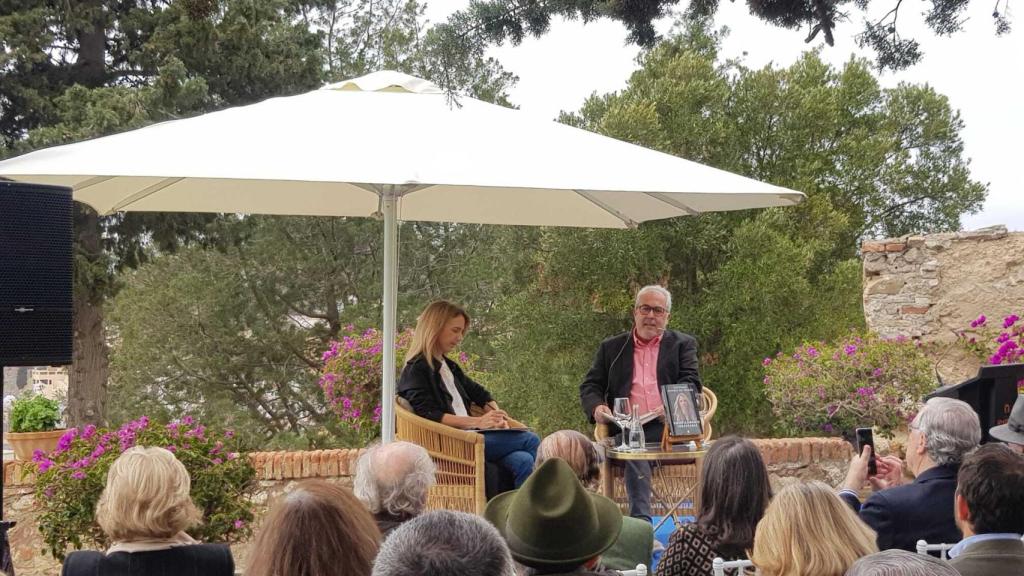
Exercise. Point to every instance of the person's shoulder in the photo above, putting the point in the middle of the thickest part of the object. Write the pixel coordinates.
(677, 336)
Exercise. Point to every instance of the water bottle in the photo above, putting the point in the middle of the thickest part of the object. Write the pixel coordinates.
(636, 431)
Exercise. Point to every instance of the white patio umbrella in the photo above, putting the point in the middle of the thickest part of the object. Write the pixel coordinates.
(391, 145)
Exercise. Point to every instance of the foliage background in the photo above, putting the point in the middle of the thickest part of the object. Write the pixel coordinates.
(227, 316)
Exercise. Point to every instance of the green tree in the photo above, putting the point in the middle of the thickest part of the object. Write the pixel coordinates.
(749, 283)
(488, 22)
(73, 71)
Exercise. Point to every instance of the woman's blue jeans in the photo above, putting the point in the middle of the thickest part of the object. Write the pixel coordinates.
(515, 451)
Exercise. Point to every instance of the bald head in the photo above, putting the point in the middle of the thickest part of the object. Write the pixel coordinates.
(394, 478)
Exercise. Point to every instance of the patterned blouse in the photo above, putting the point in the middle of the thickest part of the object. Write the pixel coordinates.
(690, 553)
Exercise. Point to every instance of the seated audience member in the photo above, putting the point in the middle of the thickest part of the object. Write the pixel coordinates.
(808, 531)
(901, 563)
(943, 432)
(734, 494)
(317, 529)
(553, 525)
(1012, 433)
(635, 544)
(990, 512)
(144, 510)
(393, 480)
(444, 543)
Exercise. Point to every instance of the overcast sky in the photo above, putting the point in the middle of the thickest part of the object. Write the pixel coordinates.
(982, 74)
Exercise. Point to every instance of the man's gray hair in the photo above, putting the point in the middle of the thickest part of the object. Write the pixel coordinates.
(445, 543)
(657, 289)
(900, 563)
(394, 478)
(951, 429)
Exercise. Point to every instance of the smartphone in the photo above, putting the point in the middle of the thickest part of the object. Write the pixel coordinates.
(866, 438)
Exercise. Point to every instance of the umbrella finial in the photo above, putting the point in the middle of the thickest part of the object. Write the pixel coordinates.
(386, 81)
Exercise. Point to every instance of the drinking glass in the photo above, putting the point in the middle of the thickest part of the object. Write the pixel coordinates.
(622, 416)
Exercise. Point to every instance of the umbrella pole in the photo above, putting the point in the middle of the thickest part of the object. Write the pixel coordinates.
(389, 206)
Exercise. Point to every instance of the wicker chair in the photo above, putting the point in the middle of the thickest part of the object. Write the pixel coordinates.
(458, 455)
(676, 478)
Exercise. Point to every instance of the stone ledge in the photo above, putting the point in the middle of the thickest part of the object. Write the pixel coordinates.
(802, 451)
(269, 466)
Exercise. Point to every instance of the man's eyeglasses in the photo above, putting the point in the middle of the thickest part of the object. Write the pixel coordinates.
(656, 310)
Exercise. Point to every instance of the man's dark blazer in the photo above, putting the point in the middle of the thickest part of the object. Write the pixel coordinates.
(1003, 557)
(611, 376)
(921, 510)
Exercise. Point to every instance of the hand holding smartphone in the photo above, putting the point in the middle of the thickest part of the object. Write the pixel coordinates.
(865, 437)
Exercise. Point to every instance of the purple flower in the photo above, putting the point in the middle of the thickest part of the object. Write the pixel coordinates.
(876, 372)
(463, 357)
(78, 475)
(187, 421)
(88, 431)
(995, 359)
(1002, 337)
(216, 461)
(1010, 320)
(376, 414)
(45, 465)
(238, 524)
(38, 455)
(65, 441)
(766, 362)
(172, 448)
(981, 320)
(99, 451)
(232, 455)
(812, 352)
(850, 349)
(229, 433)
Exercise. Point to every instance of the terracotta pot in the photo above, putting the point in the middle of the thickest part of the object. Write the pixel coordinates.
(25, 443)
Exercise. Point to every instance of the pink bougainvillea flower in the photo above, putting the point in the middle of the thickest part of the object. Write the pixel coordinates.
(1010, 320)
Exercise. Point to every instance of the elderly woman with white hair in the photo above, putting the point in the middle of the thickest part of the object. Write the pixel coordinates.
(393, 481)
(145, 509)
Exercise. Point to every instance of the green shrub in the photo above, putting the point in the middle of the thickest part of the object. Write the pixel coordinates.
(69, 481)
(833, 388)
(34, 413)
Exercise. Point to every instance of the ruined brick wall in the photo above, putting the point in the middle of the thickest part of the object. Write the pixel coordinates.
(928, 287)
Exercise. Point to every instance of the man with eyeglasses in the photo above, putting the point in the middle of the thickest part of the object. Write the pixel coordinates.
(634, 365)
(900, 512)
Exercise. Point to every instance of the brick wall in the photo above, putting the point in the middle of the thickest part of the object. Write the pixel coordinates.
(276, 472)
(928, 287)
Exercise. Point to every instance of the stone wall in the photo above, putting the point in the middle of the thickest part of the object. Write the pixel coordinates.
(788, 460)
(928, 287)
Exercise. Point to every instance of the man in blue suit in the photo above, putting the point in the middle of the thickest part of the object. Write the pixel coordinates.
(941, 435)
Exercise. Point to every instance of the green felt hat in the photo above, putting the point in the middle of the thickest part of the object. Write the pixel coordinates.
(553, 521)
(1013, 430)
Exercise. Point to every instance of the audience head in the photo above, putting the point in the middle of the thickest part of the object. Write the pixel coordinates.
(990, 491)
(444, 543)
(734, 493)
(578, 451)
(944, 431)
(146, 496)
(552, 524)
(439, 328)
(808, 531)
(901, 563)
(394, 479)
(1012, 433)
(318, 529)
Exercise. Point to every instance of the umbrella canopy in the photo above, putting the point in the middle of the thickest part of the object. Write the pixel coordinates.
(392, 145)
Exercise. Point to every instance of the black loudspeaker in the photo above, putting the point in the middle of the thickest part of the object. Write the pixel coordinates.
(35, 274)
(991, 393)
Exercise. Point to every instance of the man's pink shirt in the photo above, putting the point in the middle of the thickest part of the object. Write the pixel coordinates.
(644, 392)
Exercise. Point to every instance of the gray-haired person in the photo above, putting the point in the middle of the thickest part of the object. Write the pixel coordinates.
(900, 563)
(942, 434)
(393, 480)
(444, 543)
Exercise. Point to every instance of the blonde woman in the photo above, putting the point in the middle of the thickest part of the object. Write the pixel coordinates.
(439, 390)
(808, 531)
(144, 510)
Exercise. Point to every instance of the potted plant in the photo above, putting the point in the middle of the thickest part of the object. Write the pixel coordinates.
(34, 420)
